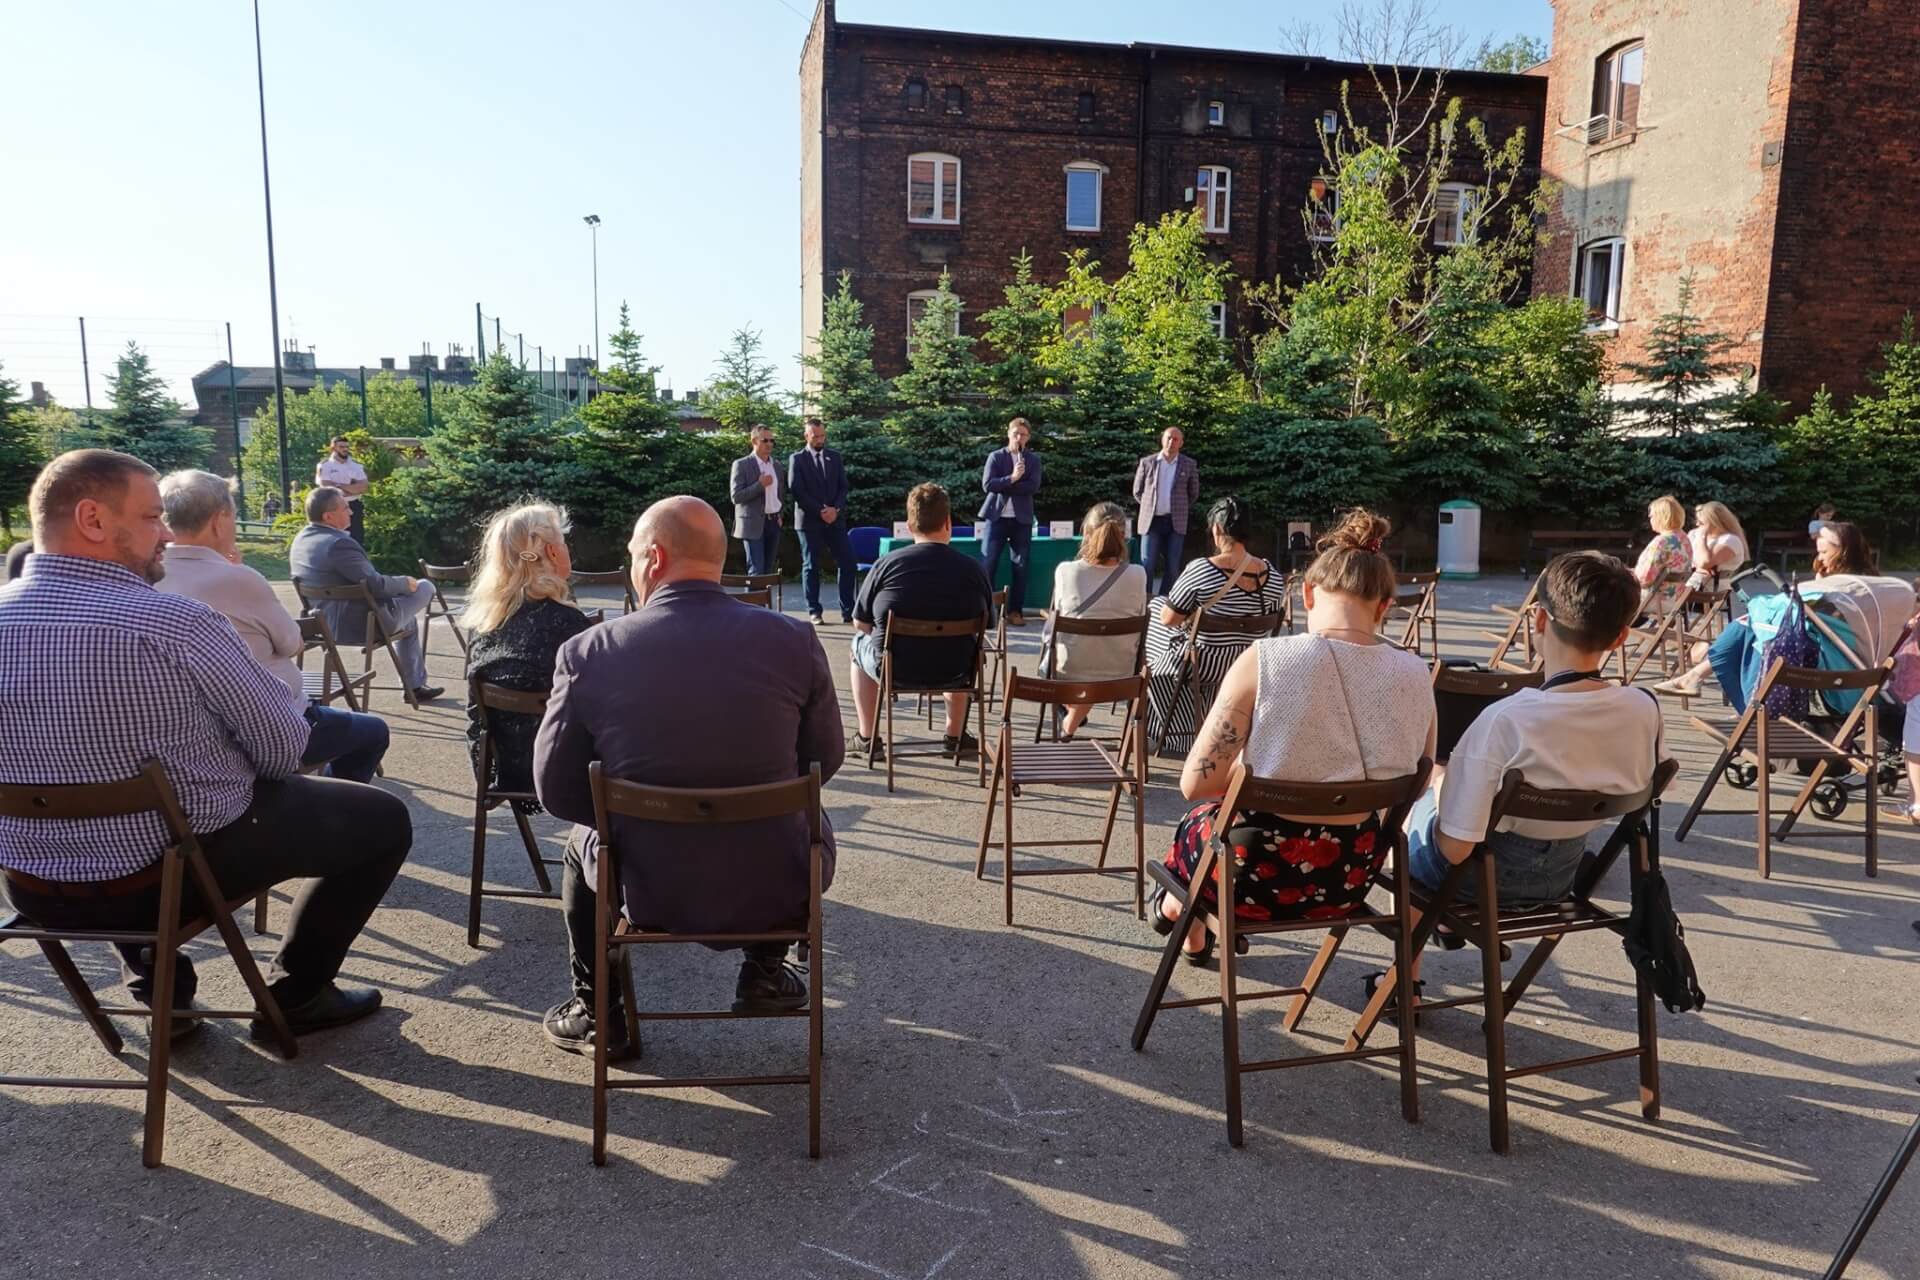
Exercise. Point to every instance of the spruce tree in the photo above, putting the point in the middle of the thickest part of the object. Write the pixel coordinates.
(1687, 369)
(746, 391)
(1017, 332)
(844, 384)
(936, 419)
(145, 421)
(20, 454)
(628, 404)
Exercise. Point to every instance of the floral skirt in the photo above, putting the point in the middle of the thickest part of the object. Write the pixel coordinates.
(1284, 870)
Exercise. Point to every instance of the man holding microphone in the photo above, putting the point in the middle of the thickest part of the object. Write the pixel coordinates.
(1010, 478)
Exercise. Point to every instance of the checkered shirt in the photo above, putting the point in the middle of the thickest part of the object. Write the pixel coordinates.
(100, 673)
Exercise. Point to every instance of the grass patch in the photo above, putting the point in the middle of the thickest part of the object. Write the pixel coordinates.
(269, 558)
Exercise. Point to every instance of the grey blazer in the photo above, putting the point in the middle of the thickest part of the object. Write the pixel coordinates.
(323, 556)
(749, 499)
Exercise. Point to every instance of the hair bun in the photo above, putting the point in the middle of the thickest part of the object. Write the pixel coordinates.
(1358, 530)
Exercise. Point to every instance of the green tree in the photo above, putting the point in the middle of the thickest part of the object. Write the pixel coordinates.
(745, 390)
(1112, 417)
(1164, 304)
(628, 404)
(21, 456)
(395, 407)
(1017, 332)
(1874, 471)
(1513, 55)
(145, 421)
(935, 416)
(843, 382)
(1687, 370)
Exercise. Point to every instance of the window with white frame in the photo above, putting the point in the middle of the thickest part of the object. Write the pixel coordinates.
(1323, 210)
(1617, 76)
(917, 303)
(1599, 279)
(1456, 214)
(1217, 317)
(933, 188)
(1216, 112)
(1329, 122)
(1213, 196)
(1084, 180)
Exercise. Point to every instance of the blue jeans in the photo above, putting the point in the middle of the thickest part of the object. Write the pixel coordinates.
(350, 743)
(763, 552)
(1736, 661)
(1526, 871)
(1017, 537)
(832, 539)
(1162, 542)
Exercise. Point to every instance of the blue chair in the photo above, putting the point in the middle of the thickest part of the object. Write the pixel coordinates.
(865, 541)
(963, 531)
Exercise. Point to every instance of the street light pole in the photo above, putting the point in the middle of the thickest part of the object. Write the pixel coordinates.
(273, 285)
(593, 225)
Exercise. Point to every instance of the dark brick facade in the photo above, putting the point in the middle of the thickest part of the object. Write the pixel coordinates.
(1023, 115)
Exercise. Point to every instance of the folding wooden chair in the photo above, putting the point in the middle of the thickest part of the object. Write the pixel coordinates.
(1662, 637)
(149, 791)
(1460, 694)
(898, 627)
(1700, 621)
(1417, 604)
(681, 806)
(379, 635)
(332, 680)
(1750, 744)
(1201, 693)
(1490, 927)
(491, 699)
(994, 645)
(1245, 793)
(458, 575)
(1081, 763)
(762, 599)
(611, 578)
(1064, 626)
(1519, 632)
(751, 582)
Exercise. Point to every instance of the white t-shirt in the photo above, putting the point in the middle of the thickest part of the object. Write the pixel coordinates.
(1595, 740)
(338, 474)
(1729, 552)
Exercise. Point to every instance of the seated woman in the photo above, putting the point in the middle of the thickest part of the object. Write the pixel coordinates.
(1099, 584)
(1667, 553)
(1232, 583)
(519, 616)
(1718, 544)
(1337, 704)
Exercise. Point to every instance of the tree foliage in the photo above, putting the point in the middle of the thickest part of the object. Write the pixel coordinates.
(21, 456)
(395, 407)
(145, 421)
(745, 391)
(1686, 371)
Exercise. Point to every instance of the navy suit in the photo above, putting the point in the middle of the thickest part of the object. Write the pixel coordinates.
(1007, 514)
(819, 480)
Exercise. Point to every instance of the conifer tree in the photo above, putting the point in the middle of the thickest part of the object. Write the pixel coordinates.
(145, 421)
(1687, 368)
(20, 454)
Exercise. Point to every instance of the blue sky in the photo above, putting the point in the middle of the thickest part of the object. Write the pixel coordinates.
(428, 156)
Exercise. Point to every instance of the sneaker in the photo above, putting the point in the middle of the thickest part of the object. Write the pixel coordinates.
(964, 745)
(569, 1028)
(778, 987)
(859, 746)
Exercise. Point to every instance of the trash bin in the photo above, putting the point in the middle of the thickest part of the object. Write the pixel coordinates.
(1459, 549)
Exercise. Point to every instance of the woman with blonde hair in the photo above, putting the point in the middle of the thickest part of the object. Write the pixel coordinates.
(1718, 543)
(1337, 704)
(1099, 584)
(1667, 553)
(519, 615)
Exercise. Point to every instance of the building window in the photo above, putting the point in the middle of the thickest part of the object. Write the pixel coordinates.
(956, 100)
(917, 303)
(1617, 76)
(1212, 195)
(916, 95)
(1456, 214)
(1216, 112)
(1084, 179)
(933, 188)
(1083, 109)
(1076, 321)
(1323, 210)
(1217, 317)
(1598, 276)
(1329, 122)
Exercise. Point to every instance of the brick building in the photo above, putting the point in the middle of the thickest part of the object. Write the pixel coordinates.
(1771, 147)
(923, 151)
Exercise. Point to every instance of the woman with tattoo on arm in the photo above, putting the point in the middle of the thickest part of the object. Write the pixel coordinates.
(1337, 704)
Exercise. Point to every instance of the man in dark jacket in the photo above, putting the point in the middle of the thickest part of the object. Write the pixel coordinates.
(818, 483)
(323, 554)
(693, 689)
(1010, 479)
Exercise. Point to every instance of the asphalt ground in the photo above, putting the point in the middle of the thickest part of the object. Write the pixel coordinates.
(984, 1113)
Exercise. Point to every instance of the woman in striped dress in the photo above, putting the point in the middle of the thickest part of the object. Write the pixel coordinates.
(1231, 583)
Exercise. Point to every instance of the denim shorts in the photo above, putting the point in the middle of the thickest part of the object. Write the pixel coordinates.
(1527, 871)
(866, 651)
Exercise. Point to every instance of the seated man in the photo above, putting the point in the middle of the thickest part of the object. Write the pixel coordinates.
(323, 555)
(693, 689)
(102, 673)
(1578, 732)
(203, 561)
(928, 582)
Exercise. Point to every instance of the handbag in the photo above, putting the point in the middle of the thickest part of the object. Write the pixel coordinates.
(1046, 632)
(1655, 940)
(1794, 645)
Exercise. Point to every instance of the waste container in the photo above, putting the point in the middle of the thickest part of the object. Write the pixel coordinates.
(1459, 540)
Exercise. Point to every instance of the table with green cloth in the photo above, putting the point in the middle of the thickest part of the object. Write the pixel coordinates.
(1047, 555)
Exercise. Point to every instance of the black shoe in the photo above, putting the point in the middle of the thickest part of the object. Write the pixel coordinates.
(776, 988)
(184, 1027)
(569, 1028)
(859, 746)
(335, 1006)
(964, 745)
(427, 692)
(817, 618)
(846, 619)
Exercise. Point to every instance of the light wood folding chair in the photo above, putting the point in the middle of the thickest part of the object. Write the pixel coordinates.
(751, 582)
(492, 699)
(1662, 638)
(682, 806)
(1080, 763)
(1417, 605)
(379, 634)
(611, 578)
(1700, 621)
(149, 791)
(331, 681)
(1392, 797)
(1490, 927)
(438, 607)
(994, 645)
(1243, 631)
(1064, 626)
(1519, 632)
(912, 629)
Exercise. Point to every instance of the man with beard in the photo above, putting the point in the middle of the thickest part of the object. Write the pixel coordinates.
(101, 674)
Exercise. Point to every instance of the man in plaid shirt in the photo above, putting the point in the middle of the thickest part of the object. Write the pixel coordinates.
(100, 673)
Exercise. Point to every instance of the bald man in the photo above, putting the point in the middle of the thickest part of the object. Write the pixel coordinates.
(692, 689)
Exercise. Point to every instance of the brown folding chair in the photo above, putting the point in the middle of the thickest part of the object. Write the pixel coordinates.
(1700, 621)
(489, 699)
(1242, 630)
(1750, 744)
(680, 806)
(149, 791)
(1490, 927)
(1064, 626)
(1519, 632)
(1663, 637)
(750, 582)
(1069, 764)
(379, 635)
(995, 646)
(458, 575)
(332, 680)
(1460, 694)
(1417, 602)
(1247, 793)
(611, 578)
(759, 599)
(920, 629)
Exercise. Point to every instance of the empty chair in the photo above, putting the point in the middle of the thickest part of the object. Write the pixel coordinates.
(440, 606)
(773, 583)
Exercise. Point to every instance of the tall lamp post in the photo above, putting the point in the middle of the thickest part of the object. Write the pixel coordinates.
(273, 286)
(593, 225)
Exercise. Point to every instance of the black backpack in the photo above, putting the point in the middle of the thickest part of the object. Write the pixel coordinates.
(1655, 941)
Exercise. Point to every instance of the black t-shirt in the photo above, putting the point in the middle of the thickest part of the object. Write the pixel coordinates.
(932, 582)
